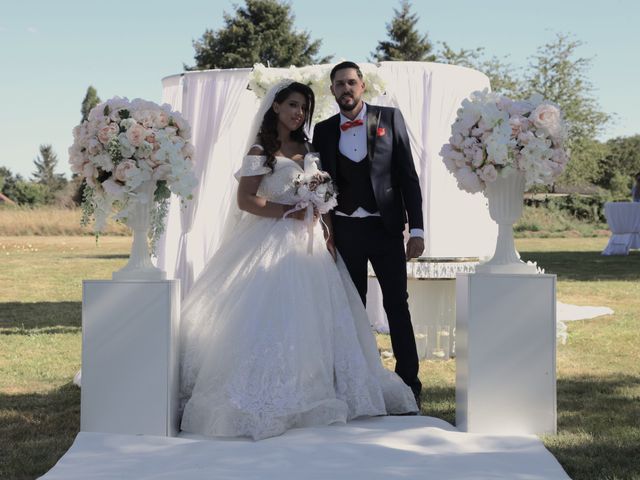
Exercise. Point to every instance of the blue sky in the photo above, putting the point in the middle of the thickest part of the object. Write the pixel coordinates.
(51, 51)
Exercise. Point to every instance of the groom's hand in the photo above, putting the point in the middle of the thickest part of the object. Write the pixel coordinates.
(415, 247)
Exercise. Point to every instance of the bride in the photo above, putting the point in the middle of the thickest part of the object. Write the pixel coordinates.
(274, 335)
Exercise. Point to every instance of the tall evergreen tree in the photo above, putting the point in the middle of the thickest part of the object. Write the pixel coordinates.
(91, 99)
(45, 165)
(405, 43)
(260, 32)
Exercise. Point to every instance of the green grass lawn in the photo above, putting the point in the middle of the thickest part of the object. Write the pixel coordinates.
(598, 369)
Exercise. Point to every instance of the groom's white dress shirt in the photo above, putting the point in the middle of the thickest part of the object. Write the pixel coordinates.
(353, 145)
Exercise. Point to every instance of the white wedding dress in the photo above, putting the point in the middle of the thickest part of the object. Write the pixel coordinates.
(274, 337)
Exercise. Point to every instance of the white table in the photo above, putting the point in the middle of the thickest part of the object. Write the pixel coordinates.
(431, 283)
(624, 221)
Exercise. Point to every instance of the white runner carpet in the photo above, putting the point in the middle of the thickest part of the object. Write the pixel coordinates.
(375, 448)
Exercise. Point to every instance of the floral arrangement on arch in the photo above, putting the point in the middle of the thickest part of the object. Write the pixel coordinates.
(261, 79)
(493, 134)
(128, 152)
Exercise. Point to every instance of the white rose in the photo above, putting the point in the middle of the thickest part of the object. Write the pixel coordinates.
(468, 180)
(161, 119)
(519, 108)
(126, 149)
(103, 161)
(144, 150)
(161, 172)
(450, 164)
(113, 188)
(488, 173)
(477, 156)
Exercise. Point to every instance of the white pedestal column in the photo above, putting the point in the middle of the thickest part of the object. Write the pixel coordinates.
(506, 353)
(130, 357)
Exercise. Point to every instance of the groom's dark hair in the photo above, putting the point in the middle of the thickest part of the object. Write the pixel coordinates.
(343, 66)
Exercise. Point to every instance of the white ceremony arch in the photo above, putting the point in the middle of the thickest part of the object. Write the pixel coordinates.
(220, 109)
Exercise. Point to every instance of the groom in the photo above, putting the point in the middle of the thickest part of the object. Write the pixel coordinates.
(366, 150)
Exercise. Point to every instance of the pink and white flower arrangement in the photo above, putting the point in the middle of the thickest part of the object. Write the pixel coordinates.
(494, 134)
(126, 150)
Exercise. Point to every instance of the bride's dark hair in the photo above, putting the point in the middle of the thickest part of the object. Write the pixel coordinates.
(268, 133)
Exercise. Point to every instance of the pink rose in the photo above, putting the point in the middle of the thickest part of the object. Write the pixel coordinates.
(106, 133)
(136, 134)
(547, 117)
(123, 168)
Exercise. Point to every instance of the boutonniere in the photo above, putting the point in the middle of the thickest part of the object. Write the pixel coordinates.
(381, 132)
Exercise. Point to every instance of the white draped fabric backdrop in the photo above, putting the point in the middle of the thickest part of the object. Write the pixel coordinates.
(220, 110)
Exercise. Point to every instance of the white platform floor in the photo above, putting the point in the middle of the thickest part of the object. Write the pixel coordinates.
(375, 448)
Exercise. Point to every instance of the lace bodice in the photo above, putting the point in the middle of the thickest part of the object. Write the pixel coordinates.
(276, 186)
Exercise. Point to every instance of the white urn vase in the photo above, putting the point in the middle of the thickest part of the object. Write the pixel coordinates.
(140, 267)
(505, 197)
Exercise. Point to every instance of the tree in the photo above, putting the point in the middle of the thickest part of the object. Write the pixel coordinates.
(620, 165)
(30, 193)
(8, 182)
(405, 43)
(44, 174)
(503, 77)
(260, 32)
(91, 99)
(556, 74)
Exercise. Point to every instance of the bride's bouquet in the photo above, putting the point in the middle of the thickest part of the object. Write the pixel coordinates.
(315, 190)
(315, 187)
(132, 152)
(493, 135)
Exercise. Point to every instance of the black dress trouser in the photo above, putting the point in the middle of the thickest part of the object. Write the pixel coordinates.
(359, 240)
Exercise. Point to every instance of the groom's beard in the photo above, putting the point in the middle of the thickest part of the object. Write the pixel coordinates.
(347, 107)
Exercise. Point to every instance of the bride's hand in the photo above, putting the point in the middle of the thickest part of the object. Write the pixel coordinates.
(300, 214)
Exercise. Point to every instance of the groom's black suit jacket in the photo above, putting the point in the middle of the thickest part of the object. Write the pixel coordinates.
(393, 175)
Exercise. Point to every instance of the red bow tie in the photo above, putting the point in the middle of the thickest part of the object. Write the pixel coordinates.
(347, 125)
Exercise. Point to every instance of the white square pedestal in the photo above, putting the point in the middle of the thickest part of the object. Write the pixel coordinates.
(130, 357)
(506, 353)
